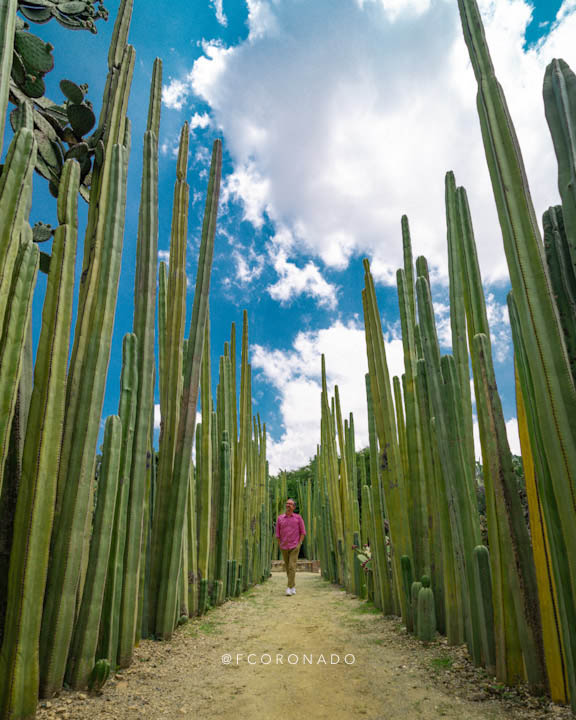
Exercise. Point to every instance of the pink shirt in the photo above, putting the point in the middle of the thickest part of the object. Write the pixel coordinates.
(288, 530)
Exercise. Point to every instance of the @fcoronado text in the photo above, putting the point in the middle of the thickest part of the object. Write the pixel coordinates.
(288, 659)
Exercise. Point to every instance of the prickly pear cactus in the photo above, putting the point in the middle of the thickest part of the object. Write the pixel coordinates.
(73, 14)
(61, 130)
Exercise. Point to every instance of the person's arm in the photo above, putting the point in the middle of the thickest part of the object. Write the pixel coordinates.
(302, 530)
(277, 533)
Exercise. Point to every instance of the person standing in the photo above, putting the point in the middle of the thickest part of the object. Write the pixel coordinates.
(290, 532)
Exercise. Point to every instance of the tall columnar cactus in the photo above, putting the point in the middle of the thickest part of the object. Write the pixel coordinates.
(88, 366)
(539, 323)
(115, 124)
(516, 550)
(330, 460)
(414, 471)
(171, 382)
(554, 652)
(144, 324)
(14, 332)
(224, 519)
(109, 626)
(19, 661)
(451, 576)
(483, 572)
(407, 580)
(495, 454)
(444, 390)
(560, 106)
(204, 476)
(85, 396)
(393, 481)
(241, 456)
(558, 543)
(172, 545)
(8, 10)
(84, 643)
(15, 199)
(458, 323)
(562, 277)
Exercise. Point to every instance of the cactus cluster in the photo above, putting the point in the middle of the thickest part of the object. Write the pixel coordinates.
(104, 549)
(512, 605)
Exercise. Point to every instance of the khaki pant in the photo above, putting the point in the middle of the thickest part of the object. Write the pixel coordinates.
(290, 558)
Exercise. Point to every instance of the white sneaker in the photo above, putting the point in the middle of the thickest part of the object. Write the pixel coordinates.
(293, 591)
(288, 591)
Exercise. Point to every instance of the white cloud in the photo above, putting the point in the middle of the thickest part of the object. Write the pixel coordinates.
(294, 281)
(164, 255)
(296, 376)
(158, 417)
(500, 332)
(219, 10)
(249, 266)
(175, 94)
(247, 186)
(199, 120)
(511, 432)
(513, 437)
(334, 140)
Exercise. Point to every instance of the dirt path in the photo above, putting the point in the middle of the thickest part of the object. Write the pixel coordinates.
(386, 675)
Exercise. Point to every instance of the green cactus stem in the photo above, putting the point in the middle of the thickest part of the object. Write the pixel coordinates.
(14, 332)
(484, 581)
(171, 383)
(426, 611)
(562, 277)
(85, 638)
(19, 662)
(8, 10)
(143, 325)
(87, 377)
(172, 544)
(539, 322)
(414, 592)
(99, 675)
(109, 625)
(560, 106)
(407, 580)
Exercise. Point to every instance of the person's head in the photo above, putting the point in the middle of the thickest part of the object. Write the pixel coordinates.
(290, 506)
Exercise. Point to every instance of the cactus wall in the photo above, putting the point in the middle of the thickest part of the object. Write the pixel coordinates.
(129, 542)
(416, 509)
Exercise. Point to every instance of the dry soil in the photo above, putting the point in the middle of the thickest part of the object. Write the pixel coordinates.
(320, 654)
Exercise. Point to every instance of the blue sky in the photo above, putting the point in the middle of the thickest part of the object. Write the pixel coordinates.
(337, 117)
